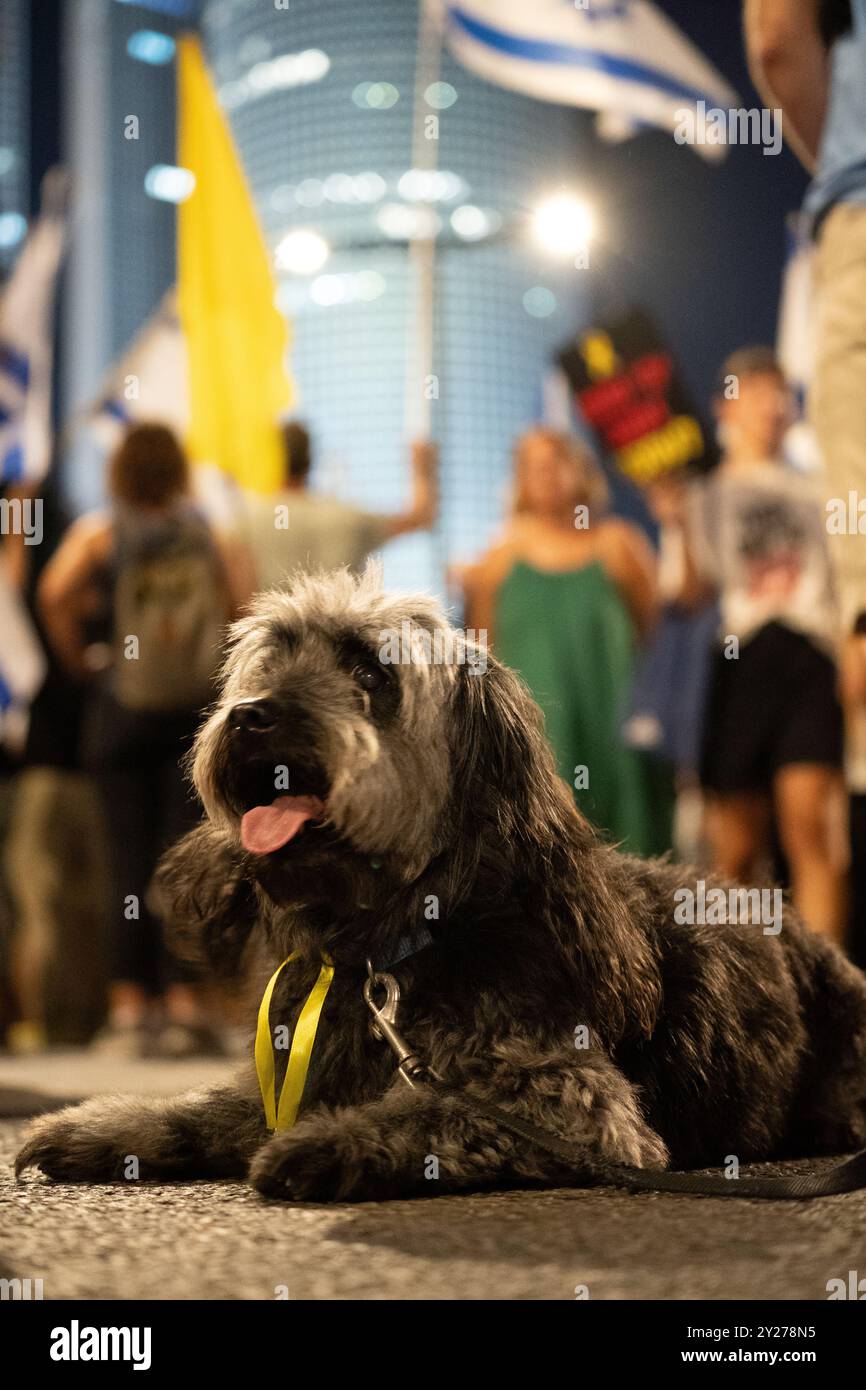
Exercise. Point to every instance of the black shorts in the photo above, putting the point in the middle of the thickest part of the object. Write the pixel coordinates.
(774, 705)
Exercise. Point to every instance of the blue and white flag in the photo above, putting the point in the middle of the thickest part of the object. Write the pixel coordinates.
(621, 58)
(22, 665)
(149, 382)
(26, 344)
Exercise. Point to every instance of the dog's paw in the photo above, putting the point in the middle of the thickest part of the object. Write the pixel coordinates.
(624, 1137)
(314, 1163)
(648, 1150)
(75, 1145)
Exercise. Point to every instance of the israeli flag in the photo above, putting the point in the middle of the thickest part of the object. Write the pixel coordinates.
(149, 382)
(621, 58)
(26, 343)
(22, 665)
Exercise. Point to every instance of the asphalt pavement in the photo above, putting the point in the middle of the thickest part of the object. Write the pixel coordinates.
(220, 1240)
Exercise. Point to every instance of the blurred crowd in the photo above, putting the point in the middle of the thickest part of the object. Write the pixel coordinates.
(702, 675)
(688, 671)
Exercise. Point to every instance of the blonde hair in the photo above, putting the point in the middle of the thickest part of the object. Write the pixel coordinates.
(591, 488)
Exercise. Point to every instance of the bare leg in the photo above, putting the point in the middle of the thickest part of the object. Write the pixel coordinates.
(738, 830)
(128, 1004)
(809, 797)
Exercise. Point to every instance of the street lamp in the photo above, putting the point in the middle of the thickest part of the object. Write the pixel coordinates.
(563, 225)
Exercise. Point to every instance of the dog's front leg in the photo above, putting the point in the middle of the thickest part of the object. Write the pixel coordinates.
(207, 1133)
(414, 1141)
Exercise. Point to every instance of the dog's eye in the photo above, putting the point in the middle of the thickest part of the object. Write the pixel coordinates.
(368, 676)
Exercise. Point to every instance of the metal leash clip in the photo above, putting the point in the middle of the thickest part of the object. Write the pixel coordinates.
(384, 1024)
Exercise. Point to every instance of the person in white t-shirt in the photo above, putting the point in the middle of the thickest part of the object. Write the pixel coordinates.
(773, 740)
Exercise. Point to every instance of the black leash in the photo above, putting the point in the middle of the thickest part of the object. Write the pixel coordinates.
(849, 1176)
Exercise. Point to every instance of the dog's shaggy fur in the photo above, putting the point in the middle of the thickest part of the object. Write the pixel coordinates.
(443, 807)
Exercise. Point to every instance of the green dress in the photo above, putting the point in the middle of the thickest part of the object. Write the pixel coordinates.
(570, 636)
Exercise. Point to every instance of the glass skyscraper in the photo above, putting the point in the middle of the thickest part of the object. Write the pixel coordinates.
(14, 134)
(320, 96)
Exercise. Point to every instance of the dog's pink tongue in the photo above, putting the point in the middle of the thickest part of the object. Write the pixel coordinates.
(266, 828)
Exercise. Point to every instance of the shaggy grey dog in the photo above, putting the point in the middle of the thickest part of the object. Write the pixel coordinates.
(557, 981)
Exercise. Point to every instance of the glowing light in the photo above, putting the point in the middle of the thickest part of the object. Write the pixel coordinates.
(430, 186)
(474, 224)
(377, 96)
(340, 188)
(276, 74)
(563, 225)
(440, 95)
(310, 193)
(369, 284)
(401, 223)
(351, 189)
(13, 228)
(330, 290)
(148, 46)
(289, 70)
(539, 302)
(169, 183)
(369, 188)
(302, 252)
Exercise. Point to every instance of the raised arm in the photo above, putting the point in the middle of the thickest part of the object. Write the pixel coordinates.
(789, 66)
(424, 503)
(681, 580)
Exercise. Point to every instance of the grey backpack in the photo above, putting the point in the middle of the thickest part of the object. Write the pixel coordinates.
(170, 608)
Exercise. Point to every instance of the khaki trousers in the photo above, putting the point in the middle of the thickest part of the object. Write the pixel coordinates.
(837, 399)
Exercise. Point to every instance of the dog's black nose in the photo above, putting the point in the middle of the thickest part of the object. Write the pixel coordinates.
(254, 716)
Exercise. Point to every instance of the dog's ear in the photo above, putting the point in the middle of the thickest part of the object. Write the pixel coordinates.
(208, 904)
(511, 802)
(502, 757)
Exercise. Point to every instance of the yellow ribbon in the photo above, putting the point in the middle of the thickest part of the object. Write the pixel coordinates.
(282, 1115)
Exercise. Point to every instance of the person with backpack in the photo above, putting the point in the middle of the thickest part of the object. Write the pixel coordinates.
(135, 602)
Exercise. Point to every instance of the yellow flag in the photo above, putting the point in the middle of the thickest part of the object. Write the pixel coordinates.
(236, 338)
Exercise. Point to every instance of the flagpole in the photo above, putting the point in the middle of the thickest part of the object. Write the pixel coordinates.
(422, 248)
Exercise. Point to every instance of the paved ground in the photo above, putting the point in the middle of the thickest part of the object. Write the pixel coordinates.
(221, 1241)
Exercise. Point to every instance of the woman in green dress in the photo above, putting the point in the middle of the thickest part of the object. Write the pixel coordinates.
(565, 596)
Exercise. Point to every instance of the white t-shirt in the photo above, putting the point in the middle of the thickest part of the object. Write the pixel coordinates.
(759, 535)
